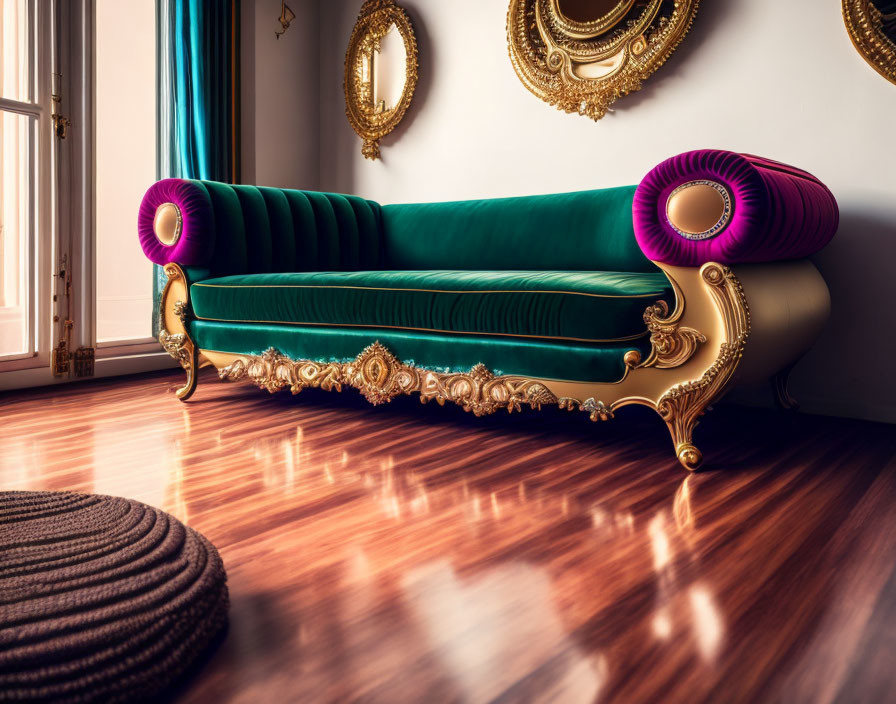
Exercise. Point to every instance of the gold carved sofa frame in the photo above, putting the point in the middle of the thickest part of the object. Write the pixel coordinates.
(729, 324)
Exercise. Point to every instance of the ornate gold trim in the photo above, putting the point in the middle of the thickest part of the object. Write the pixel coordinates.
(173, 334)
(864, 23)
(371, 122)
(583, 67)
(181, 310)
(273, 371)
(596, 410)
(672, 344)
(380, 376)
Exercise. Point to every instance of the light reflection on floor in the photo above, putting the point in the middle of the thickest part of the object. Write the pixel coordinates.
(524, 608)
(511, 611)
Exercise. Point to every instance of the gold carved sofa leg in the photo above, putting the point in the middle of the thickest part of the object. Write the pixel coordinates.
(721, 323)
(682, 406)
(788, 306)
(173, 334)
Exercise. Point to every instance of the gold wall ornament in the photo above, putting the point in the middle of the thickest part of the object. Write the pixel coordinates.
(581, 57)
(369, 114)
(871, 25)
(286, 16)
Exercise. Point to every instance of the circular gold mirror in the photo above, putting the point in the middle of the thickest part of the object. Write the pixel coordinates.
(380, 72)
(872, 27)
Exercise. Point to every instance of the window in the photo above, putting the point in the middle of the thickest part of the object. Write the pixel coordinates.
(125, 145)
(72, 274)
(19, 117)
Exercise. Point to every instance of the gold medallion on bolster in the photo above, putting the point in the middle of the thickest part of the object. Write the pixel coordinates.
(698, 210)
(167, 224)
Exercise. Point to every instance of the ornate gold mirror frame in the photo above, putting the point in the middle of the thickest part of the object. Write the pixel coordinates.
(872, 27)
(583, 64)
(370, 119)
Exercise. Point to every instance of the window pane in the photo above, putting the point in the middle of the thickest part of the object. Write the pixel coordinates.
(15, 230)
(125, 164)
(15, 51)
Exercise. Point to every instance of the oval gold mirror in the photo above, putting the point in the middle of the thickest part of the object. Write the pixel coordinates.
(581, 55)
(872, 27)
(380, 72)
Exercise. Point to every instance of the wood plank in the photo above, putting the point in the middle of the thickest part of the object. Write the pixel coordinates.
(414, 553)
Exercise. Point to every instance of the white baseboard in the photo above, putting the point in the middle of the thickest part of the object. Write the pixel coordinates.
(106, 367)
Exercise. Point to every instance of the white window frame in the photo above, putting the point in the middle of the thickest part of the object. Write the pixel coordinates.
(42, 221)
(69, 51)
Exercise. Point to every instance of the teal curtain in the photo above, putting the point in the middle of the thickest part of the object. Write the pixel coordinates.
(197, 84)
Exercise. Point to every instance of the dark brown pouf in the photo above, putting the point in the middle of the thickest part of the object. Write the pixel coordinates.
(101, 598)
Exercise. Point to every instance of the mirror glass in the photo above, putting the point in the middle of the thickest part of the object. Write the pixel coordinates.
(389, 71)
(887, 9)
(587, 10)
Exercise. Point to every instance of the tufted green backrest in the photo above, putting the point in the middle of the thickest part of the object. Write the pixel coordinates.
(260, 230)
(585, 230)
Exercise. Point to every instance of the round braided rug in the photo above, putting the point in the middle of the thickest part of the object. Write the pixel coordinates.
(101, 598)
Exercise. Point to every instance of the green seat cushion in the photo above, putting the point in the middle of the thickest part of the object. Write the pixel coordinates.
(571, 361)
(576, 306)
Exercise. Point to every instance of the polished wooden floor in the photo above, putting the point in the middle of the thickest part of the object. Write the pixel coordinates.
(416, 554)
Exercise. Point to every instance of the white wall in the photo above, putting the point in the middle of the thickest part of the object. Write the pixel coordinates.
(280, 92)
(780, 79)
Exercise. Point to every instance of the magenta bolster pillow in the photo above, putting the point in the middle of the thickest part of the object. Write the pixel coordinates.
(772, 211)
(195, 234)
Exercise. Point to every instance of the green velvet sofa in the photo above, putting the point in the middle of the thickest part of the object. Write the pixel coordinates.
(490, 304)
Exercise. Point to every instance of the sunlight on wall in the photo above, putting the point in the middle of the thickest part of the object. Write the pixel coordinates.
(125, 164)
(14, 178)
